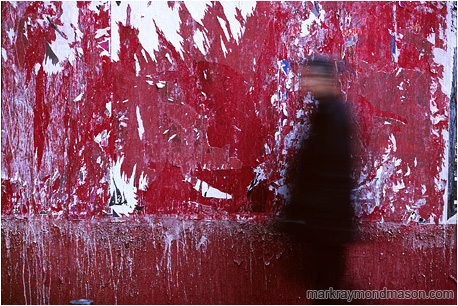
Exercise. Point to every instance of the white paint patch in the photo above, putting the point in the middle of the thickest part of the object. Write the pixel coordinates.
(423, 189)
(82, 175)
(433, 107)
(206, 190)
(4, 55)
(393, 141)
(390, 149)
(398, 186)
(173, 136)
(80, 96)
(108, 107)
(223, 47)
(93, 6)
(222, 23)
(144, 15)
(143, 182)
(267, 148)
(167, 56)
(161, 84)
(203, 242)
(438, 118)
(37, 68)
(408, 171)
(50, 68)
(199, 41)
(11, 35)
(381, 188)
(197, 9)
(102, 138)
(442, 57)
(61, 46)
(144, 55)
(432, 38)
(125, 186)
(141, 130)
(246, 8)
(101, 33)
(104, 52)
(137, 65)
(306, 24)
(452, 220)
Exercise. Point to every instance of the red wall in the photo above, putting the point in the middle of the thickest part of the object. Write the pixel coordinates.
(185, 116)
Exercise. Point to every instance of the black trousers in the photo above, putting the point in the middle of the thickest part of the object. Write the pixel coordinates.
(327, 268)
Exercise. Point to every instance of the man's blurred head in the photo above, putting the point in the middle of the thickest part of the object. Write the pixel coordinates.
(318, 76)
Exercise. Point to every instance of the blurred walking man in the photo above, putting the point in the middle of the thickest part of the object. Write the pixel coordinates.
(320, 213)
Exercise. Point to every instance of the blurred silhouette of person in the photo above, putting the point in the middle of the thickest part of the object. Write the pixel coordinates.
(319, 213)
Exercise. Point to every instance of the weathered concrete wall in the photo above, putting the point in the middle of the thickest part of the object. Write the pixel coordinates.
(125, 125)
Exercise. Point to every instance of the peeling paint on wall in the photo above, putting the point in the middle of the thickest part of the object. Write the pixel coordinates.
(164, 87)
